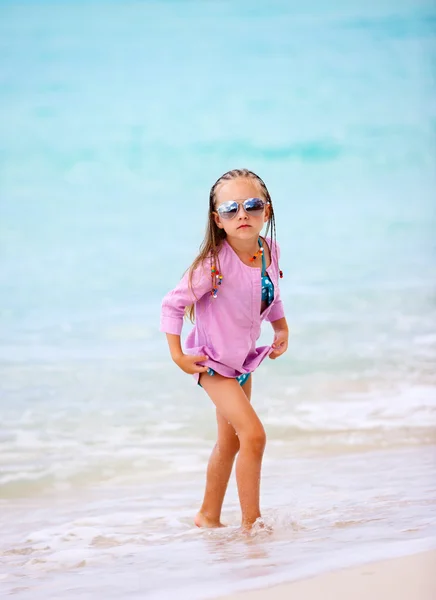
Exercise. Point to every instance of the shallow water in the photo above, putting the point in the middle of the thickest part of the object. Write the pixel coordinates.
(115, 122)
(322, 513)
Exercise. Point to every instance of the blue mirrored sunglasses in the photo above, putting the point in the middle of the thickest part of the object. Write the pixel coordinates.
(252, 206)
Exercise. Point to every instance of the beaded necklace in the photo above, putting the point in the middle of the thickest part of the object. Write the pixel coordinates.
(217, 277)
(258, 253)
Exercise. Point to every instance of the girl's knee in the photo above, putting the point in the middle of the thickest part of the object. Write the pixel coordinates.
(229, 445)
(255, 439)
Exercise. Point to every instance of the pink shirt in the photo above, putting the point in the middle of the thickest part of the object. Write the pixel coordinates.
(227, 327)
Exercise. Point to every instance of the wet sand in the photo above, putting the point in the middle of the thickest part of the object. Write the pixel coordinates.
(406, 578)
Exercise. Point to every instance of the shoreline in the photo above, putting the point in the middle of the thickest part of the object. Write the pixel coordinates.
(410, 577)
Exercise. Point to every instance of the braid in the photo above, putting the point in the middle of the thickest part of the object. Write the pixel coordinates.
(210, 247)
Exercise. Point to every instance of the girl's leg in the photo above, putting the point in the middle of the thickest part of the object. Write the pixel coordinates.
(234, 407)
(219, 469)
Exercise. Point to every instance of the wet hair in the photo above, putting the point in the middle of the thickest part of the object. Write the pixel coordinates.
(212, 242)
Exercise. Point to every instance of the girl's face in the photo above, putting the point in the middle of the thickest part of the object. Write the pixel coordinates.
(243, 225)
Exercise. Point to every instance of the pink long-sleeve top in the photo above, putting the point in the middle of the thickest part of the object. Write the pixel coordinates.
(227, 327)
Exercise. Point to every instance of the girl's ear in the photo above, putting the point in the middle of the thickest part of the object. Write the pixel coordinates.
(267, 213)
(216, 218)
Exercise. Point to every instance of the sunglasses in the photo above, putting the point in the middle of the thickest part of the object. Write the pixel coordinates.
(252, 206)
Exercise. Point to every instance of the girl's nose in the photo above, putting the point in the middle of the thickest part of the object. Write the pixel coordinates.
(241, 212)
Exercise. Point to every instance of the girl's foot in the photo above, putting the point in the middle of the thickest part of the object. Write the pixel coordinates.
(202, 521)
(258, 525)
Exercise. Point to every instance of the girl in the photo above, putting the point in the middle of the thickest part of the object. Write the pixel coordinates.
(231, 287)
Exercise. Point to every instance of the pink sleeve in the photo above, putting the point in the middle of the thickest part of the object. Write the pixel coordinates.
(277, 310)
(183, 295)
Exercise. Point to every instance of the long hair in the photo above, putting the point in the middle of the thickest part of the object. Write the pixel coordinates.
(212, 242)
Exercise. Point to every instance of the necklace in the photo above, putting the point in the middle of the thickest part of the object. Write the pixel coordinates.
(217, 277)
(258, 253)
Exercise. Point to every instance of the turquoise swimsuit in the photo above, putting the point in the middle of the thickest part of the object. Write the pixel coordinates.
(268, 297)
(267, 284)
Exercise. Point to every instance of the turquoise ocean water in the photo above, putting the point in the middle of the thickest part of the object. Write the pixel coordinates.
(115, 119)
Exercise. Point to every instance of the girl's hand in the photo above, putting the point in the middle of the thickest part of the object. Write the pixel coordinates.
(187, 363)
(280, 343)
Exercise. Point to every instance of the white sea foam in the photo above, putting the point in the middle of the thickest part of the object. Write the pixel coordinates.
(314, 507)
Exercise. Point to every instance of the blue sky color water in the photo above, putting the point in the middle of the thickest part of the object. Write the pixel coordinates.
(115, 120)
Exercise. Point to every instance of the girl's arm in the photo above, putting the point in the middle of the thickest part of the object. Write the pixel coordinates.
(277, 311)
(186, 362)
(183, 295)
(277, 319)
(281, 334)
(174, 345)
(173, 311)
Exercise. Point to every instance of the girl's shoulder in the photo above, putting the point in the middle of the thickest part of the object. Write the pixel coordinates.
(207, 263)
(273, 244)
(223, 254)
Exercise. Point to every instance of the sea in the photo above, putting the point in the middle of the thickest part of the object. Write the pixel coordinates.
(115, 120)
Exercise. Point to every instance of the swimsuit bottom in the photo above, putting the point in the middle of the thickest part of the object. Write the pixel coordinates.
(241, 379)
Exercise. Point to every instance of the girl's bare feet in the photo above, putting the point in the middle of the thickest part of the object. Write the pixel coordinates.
(257, 526)
(202, 521)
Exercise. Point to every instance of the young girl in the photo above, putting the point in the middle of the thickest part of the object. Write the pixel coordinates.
(231, 287)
